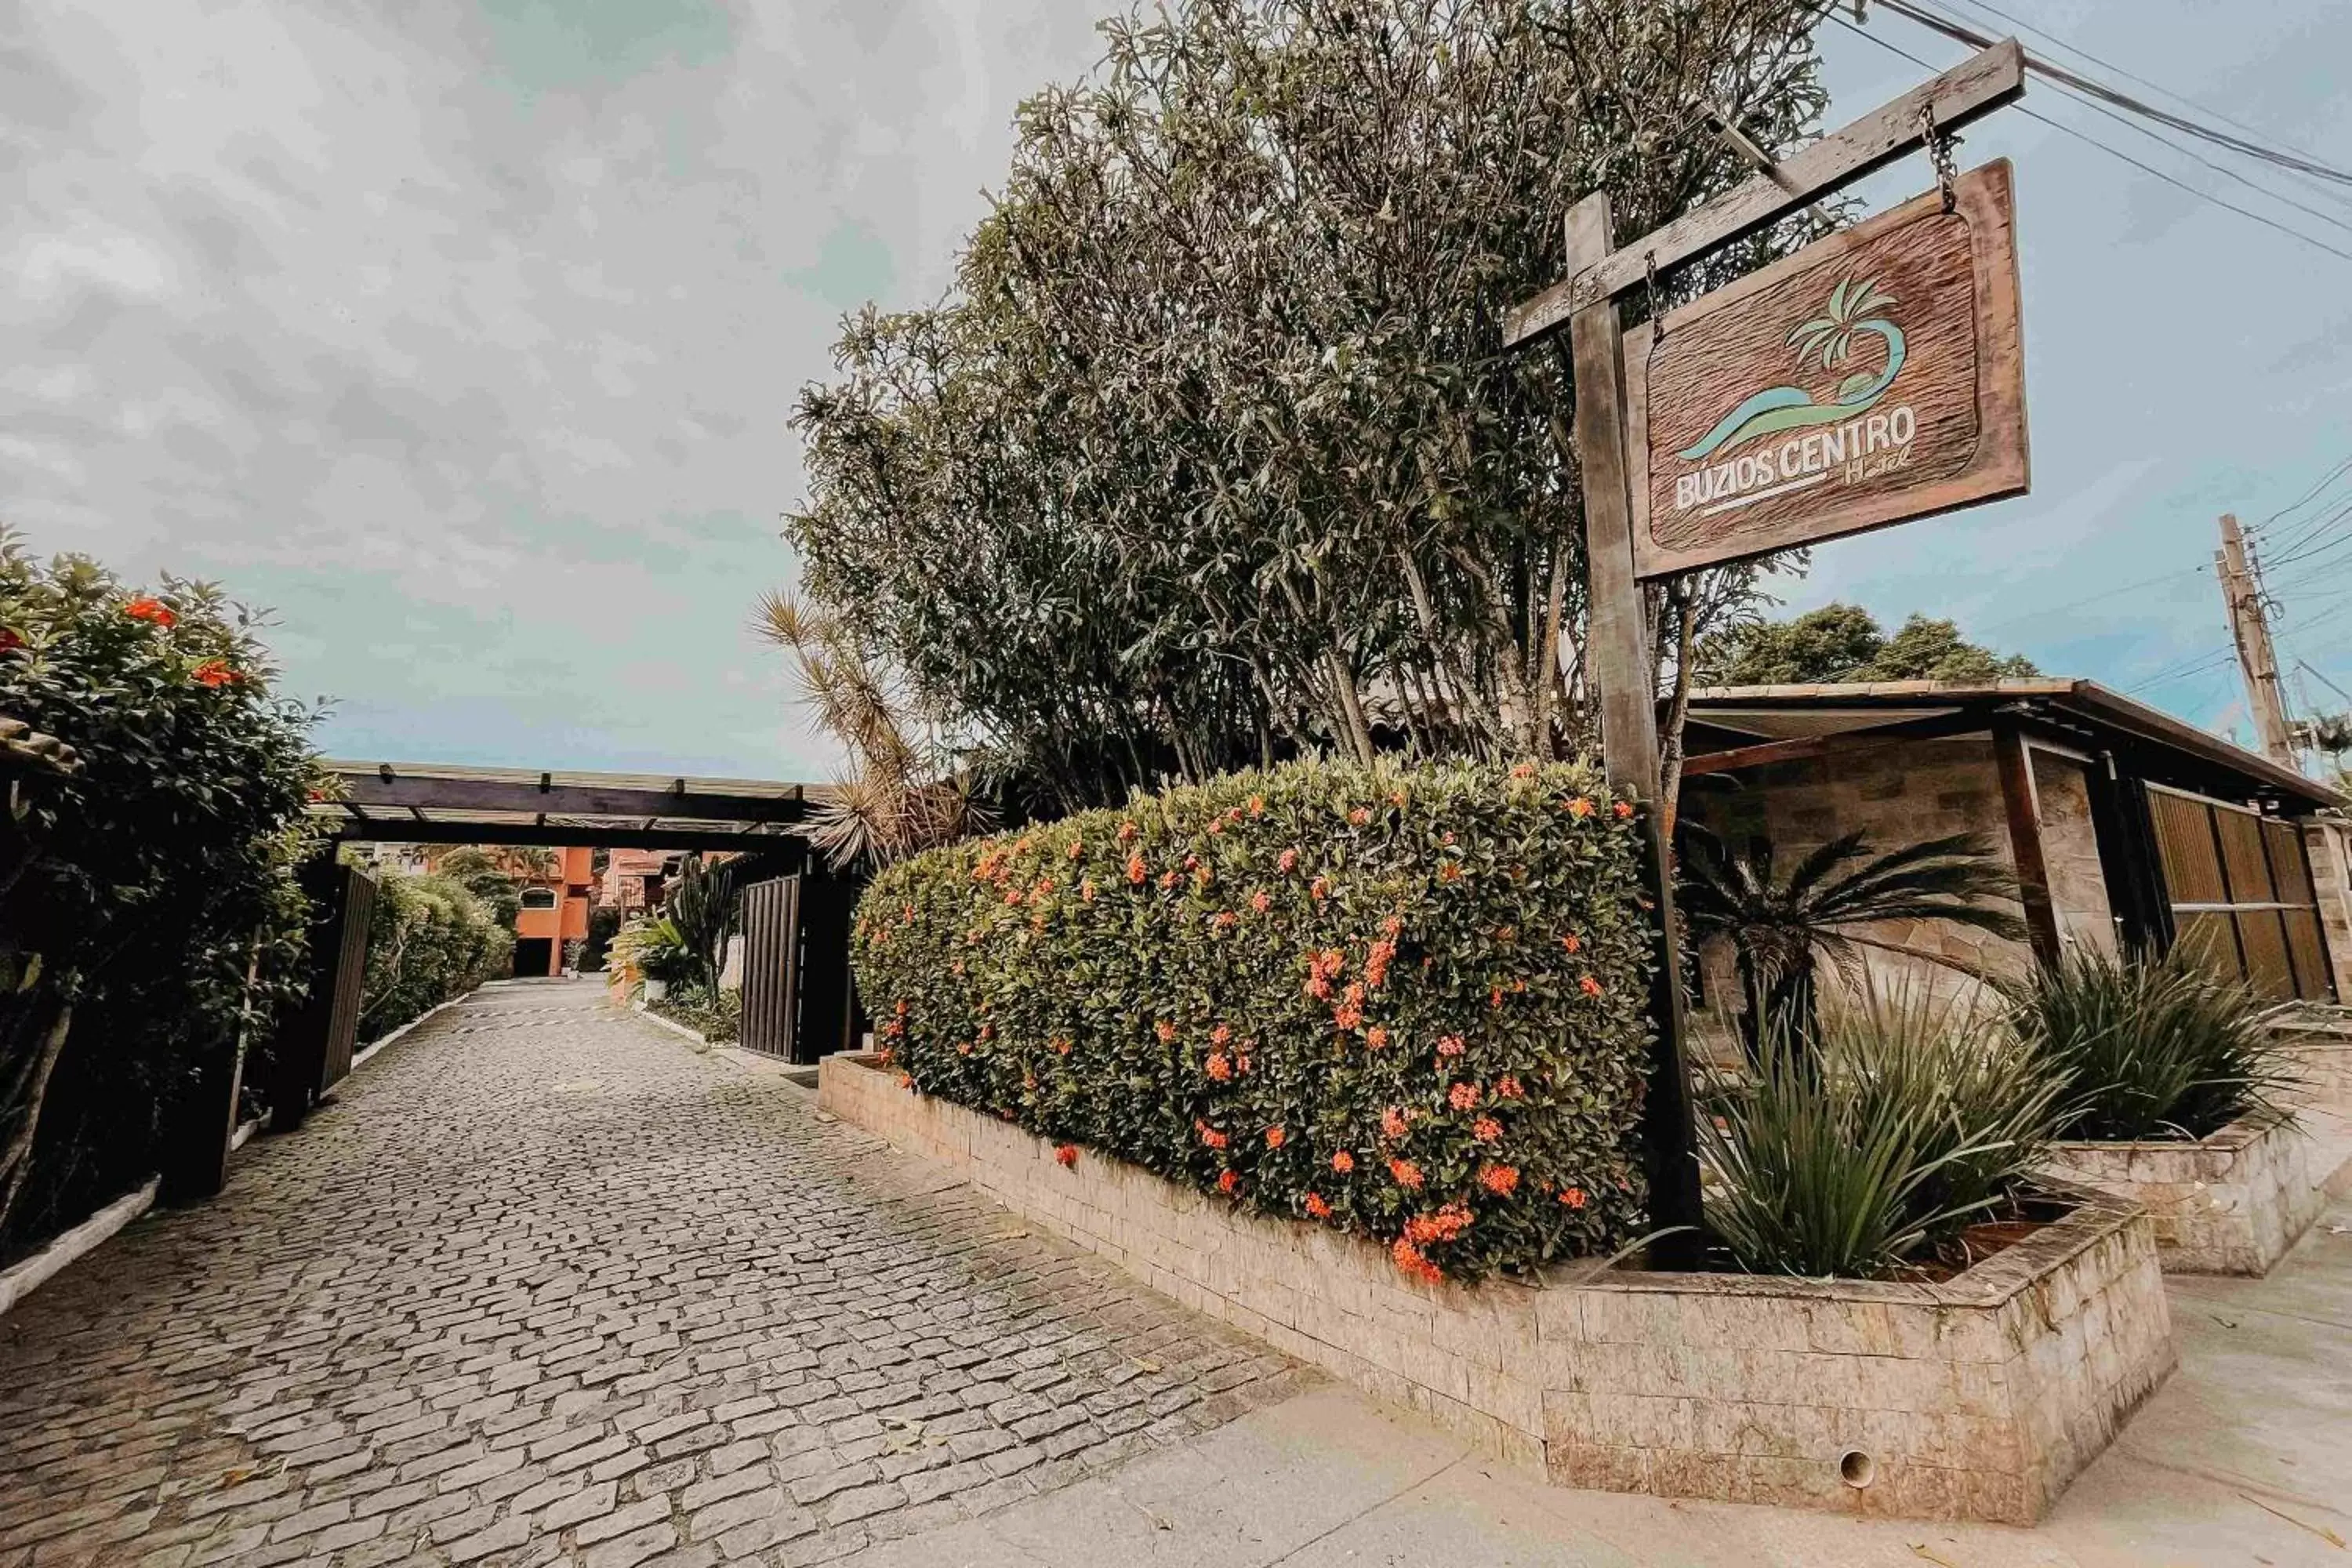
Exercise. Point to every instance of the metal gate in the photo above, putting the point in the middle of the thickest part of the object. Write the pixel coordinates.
(2244, 906)
(799, 1001)
(313, 1048)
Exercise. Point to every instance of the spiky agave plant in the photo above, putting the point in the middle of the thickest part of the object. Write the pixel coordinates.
(1782, 928)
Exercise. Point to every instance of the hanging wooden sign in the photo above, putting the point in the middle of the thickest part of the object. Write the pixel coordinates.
(1870, 378)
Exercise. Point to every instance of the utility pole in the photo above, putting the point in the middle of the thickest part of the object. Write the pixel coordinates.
(2252, 631)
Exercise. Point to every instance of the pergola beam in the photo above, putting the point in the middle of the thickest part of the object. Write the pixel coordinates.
(415, 794)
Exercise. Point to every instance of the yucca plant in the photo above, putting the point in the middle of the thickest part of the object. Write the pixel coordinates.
(1780, 929)
(2150, 1048)
(1903, 1120)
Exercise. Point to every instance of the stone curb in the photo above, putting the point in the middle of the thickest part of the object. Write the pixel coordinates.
(21, 1280)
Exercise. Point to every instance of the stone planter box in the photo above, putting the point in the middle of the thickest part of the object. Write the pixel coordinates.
(2229, 1204)
(1978, 1398)
(2320, 1055)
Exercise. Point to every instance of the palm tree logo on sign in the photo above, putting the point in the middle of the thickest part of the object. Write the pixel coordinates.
(1842, 435)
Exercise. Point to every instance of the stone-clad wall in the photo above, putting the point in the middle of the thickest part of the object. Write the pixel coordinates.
(1900, 792)
(2231, 1203)
(1978, 1398)
(2330, 844)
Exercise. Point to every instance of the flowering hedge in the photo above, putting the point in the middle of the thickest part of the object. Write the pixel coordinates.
(1406, 1004)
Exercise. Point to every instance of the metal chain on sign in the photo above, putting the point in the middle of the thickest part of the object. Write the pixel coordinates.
(1939, 153)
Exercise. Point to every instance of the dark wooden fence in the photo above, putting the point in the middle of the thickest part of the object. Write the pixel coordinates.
(799, 1000)
(313, 1048)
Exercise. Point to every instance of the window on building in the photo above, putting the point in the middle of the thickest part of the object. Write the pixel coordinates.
(539, 897)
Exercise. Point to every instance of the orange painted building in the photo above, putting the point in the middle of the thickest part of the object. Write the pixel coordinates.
(554, 911)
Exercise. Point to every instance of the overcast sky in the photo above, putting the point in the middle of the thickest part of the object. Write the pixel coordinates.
(466, 342)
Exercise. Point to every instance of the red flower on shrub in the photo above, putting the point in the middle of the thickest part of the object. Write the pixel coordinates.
(1500, 1180)
(1126, 832)
(144, 608)
(1508, 1087)
(1217, 824)
(1165, 1030)
(1449, 872)
(1077, 848)
(10, 642)
(1589, 985)
(963, 1047)
(1220, 1034)
(1219, 1067)
(1286, 860)
(1012, 896)
(906, 1081)
(1443, 1225)
(1259, 901)
(1224, 920)
(1257, 805)
(1451, 1046)
(1086, 890)
(1523, 770)
(1203, 877)
(1067, 1153)
(1623, 808)
(1376, 1037)
(1275, 1137)
(1062, 1047)
(1317, 1207)
(1409, 1259)
(1320, 889)
(1361, 816)
(1572, 942)
(1210, 1135)
(1487, 1129)
(1377, 962)
(1135, 872)
(1405, 1174)
(1392, 1124)
(1349, 1014)
(213, 672)
(1572, 1196)
(1168, 879)
(1343, 1161)
(1579, 809)
(1228, 1183)
(1463, 1096)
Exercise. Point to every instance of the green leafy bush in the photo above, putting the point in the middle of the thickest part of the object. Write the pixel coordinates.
(717, 1014)
(163, 872)
(2150, 1048)
(1409, 1004)
(1908, 1119)
(429, 939)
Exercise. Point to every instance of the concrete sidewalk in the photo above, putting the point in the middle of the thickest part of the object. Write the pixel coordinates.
(2244, 1457)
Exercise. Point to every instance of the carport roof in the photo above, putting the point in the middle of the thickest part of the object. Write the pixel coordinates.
(437, 802)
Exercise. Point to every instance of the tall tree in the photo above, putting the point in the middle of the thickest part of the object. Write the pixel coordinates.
(1215, 451)
(1845, 643)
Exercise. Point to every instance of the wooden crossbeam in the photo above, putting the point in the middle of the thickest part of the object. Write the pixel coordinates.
(403, 792)
(1967, 93)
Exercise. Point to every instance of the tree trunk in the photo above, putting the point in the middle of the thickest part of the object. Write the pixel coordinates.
(31, 1085)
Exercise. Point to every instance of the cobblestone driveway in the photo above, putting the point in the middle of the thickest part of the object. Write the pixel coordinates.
(543, 1284)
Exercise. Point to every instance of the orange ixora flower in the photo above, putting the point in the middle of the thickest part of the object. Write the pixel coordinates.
(1449, 872)
(1217, 824)
(1451, 1046)
(1257, 805)
(1579, 807)
(1500, 1180)
(1443, 1225)
(1259, 901)
(1623, 808)
(1589, 985)
(1320, 889)
(906, 1081)
(1572, 1196)
(1343, 1161)
(1275, 1137)
(1405, 1174)
(1317, 1206)
(1220, 1034)
(1349, 1014)
(1219, 1067)
(1228, 1183)
(144, 608)
(1508, 1087)
(1487, 1129)
(1286, 860)
(1392, 1124)
(1409, 1259)
(213, 672)
(1062, 1047)
(1165, 1030)
(1224, 920)
(1210, 1136)
(1067, 1153)
(1077, 848)
(1135, 872)
(1523, 770)
(1376, 1037)
(1169, 878)
(1572, 942)
(1361, 816)
(1127, 831)
(1086, 890)
(1462, 1096)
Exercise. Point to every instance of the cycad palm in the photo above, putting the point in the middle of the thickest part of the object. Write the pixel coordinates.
(1782, 929)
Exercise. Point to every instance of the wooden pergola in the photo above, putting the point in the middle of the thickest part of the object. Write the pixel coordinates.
(406, 803)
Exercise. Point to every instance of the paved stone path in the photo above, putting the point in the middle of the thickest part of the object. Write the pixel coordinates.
(543, 1285)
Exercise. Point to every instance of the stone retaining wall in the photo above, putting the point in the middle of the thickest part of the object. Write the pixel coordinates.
(2231, 1203)
(1978, 1398)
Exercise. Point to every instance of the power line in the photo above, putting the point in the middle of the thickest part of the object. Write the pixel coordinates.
(2113, 152)
(2059, 73)
(2095, 598)
(2303, 500)
(2072, 48)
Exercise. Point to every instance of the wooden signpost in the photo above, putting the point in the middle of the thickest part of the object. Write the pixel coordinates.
(1941, 265)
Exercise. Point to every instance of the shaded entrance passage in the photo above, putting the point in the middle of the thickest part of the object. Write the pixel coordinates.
(541, 1285)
